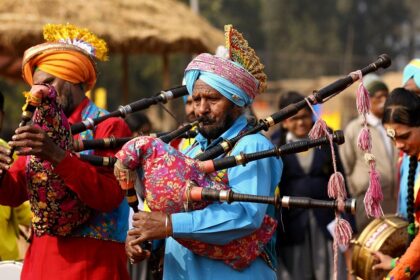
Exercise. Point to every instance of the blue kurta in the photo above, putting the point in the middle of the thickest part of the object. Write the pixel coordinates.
(222, 223)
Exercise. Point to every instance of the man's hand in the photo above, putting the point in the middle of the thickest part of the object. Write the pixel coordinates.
(32, 140)
(149, 226)
(5, 159)
(146, 226)
(384, 261)
(134, 252)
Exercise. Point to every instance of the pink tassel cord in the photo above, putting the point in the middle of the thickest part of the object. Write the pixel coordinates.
(319, 129)
(362, 100)
(336, 187)
(374, 196)
(342, 236)
(364, 141)
(343, 231)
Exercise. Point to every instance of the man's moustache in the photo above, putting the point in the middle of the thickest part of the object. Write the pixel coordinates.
(206, 121)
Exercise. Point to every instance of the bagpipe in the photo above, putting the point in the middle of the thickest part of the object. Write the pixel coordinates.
(206, 194)
(56, 208)
(175, 183)
(319, 96)
(209, 166)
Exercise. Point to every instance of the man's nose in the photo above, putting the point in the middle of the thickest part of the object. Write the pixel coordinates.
(203, 107)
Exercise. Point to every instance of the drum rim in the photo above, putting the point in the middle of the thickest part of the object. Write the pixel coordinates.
(394, 221)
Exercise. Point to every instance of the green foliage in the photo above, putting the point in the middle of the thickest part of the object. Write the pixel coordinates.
(306, 38)
(243, 14)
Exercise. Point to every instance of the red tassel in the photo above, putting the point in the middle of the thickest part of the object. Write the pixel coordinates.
(318, 130)
(373, 196)
(336, 188)
(364, 141)
(362, 100)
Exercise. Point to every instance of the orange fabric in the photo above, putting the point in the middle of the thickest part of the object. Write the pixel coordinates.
(68, 65)
(409, 263)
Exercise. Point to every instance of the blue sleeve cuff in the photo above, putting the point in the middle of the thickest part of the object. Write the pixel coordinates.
(182, 223)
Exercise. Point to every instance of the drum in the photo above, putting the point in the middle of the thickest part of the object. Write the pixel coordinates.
(388, 235)
(10, 270)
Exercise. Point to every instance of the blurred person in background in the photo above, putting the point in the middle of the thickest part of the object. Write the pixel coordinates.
(182, 143)
(353, 158)
(139, 123)
(304, 244)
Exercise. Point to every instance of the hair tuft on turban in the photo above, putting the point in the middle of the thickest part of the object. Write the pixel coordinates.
(238, 75)
(68, 54)
(79, 37)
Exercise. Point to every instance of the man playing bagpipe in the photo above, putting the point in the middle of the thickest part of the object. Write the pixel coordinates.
(221, 87)
(80, 217)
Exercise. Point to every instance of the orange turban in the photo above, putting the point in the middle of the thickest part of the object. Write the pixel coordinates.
(67, 63)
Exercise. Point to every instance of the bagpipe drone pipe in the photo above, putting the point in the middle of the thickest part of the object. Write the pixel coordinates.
(175, 183)
(122, 111)
(185, 131)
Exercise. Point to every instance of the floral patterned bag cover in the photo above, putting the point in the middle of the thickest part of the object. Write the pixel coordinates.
(164, 171)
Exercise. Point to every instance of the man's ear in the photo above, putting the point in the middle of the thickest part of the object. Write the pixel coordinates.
(237, 110)
(83, 87)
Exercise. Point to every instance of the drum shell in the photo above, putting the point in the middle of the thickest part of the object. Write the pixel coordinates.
(387, 235)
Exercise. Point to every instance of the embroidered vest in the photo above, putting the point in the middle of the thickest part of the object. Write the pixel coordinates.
(57, 209)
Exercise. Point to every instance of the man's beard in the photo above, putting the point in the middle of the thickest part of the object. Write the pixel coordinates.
(67, 105)
(211, 130)
(65, 99)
